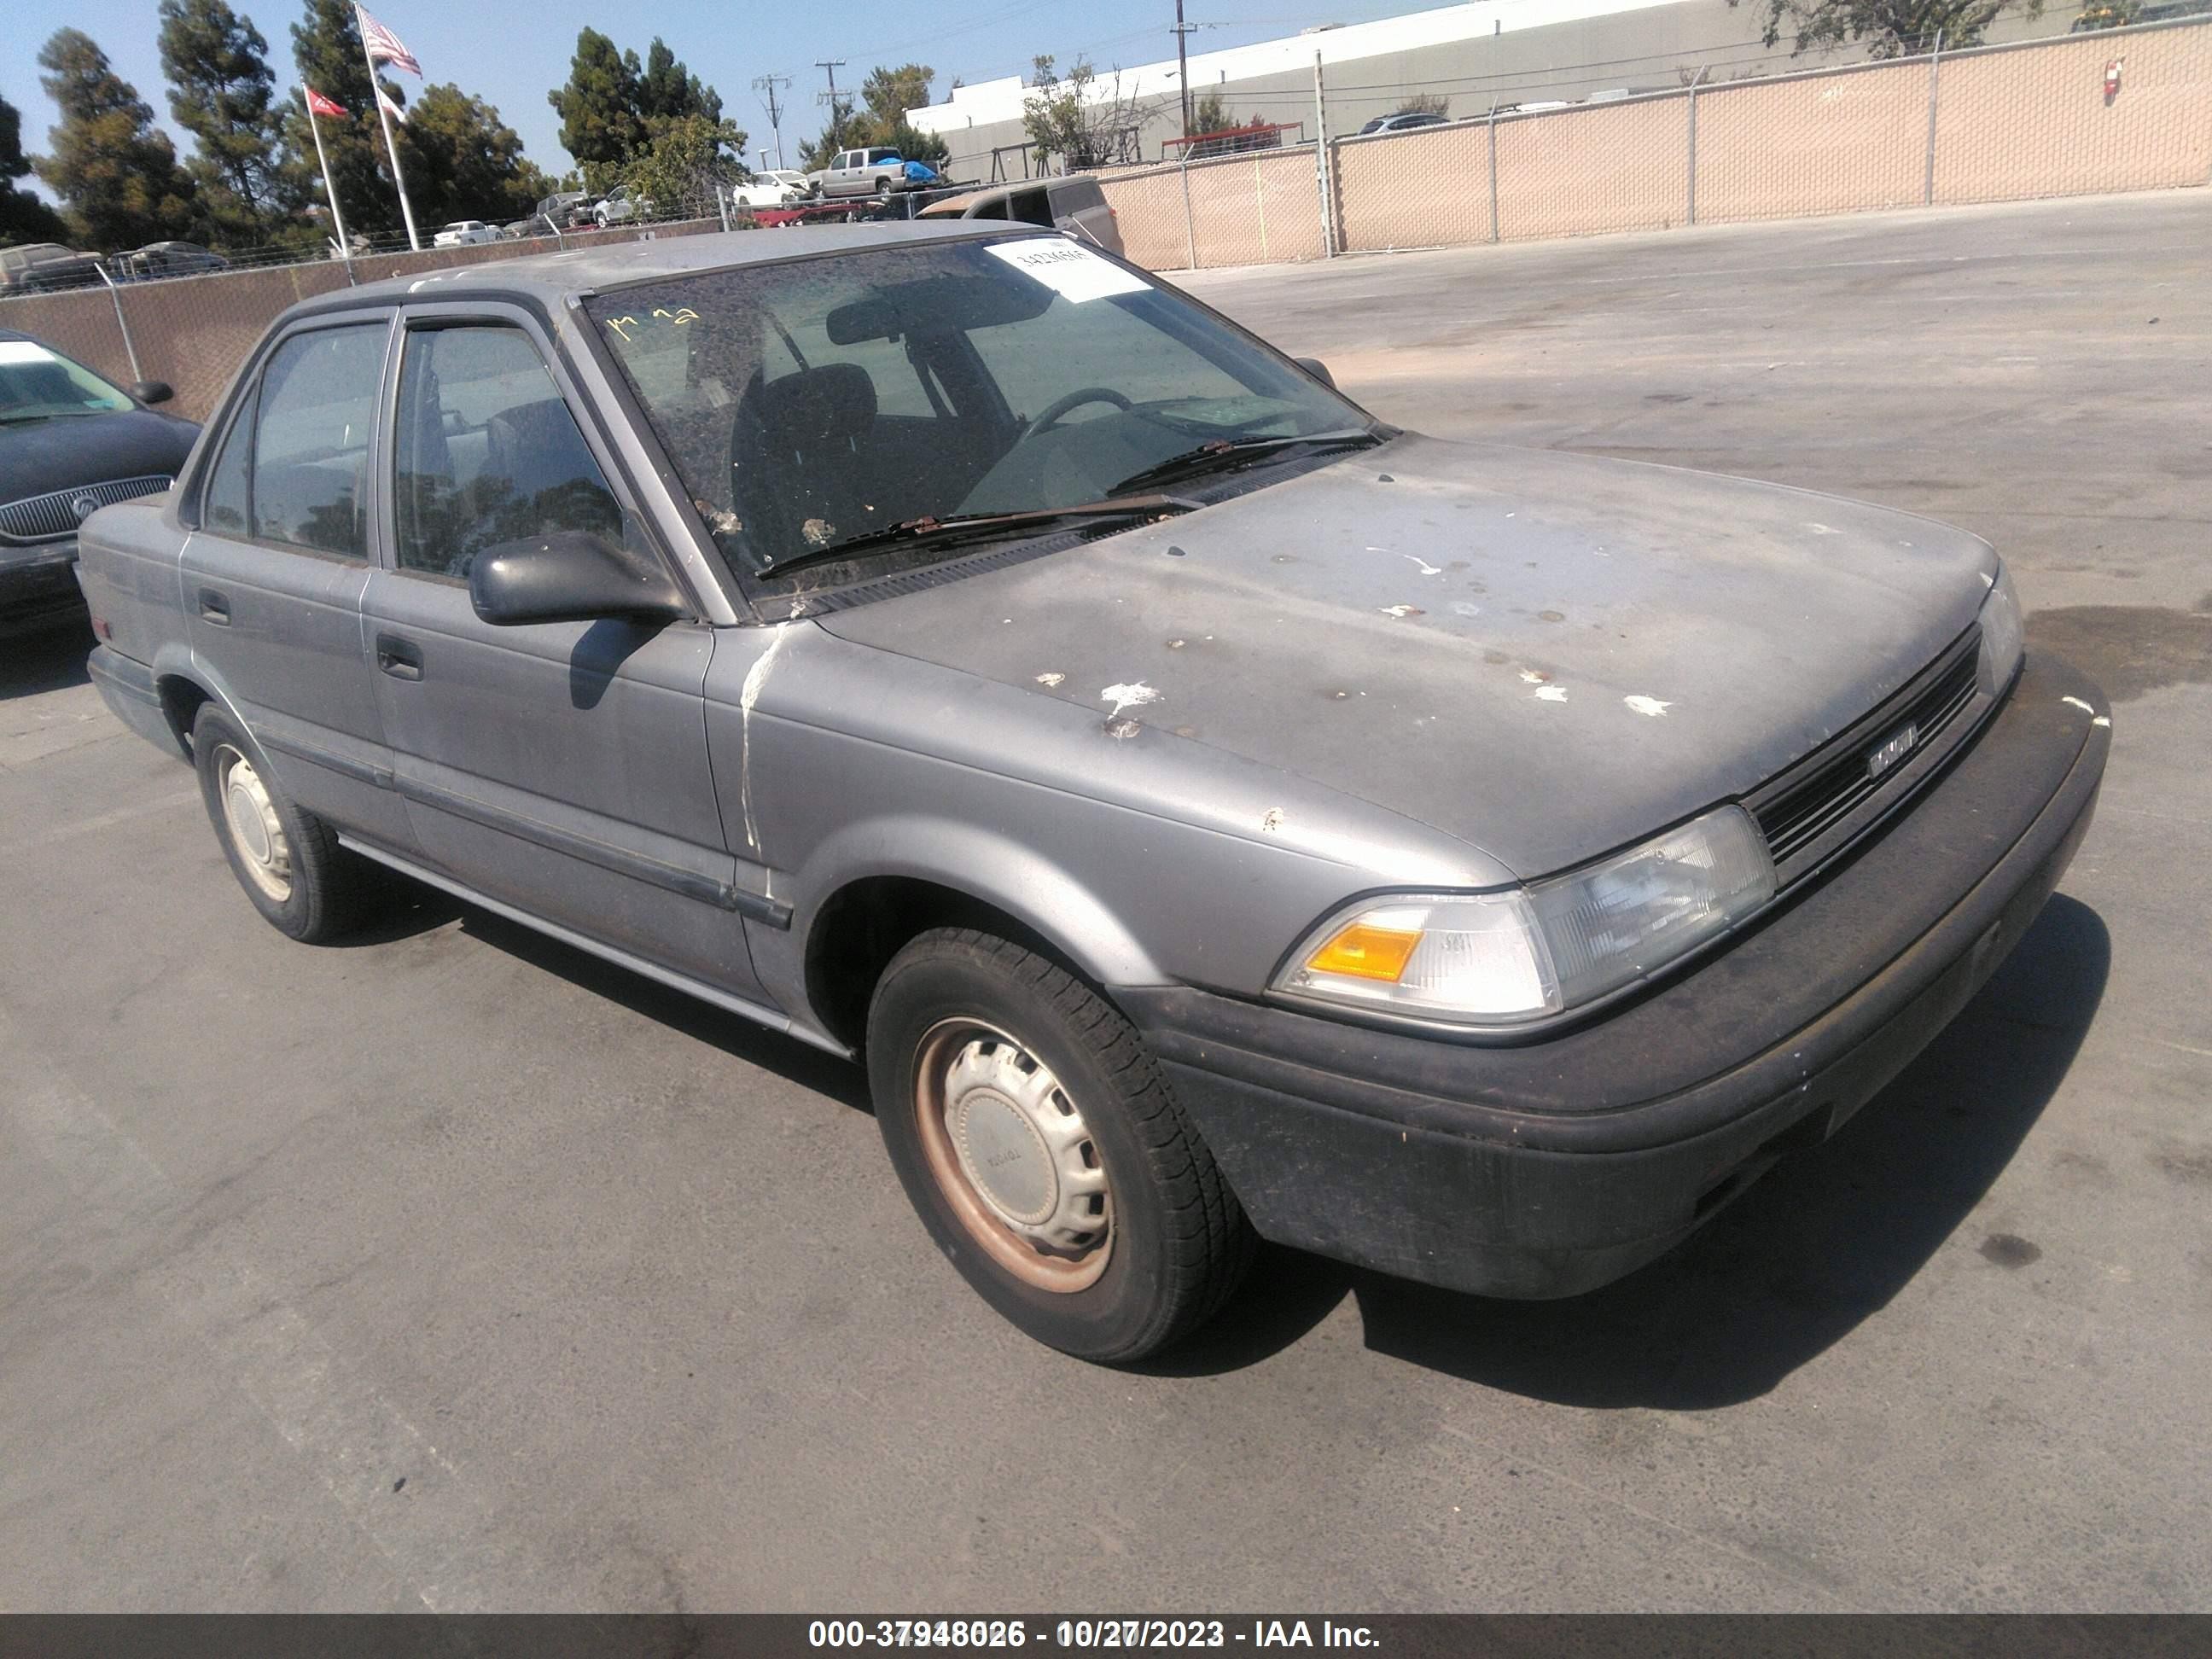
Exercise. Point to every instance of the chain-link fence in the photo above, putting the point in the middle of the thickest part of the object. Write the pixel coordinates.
(2108, 110)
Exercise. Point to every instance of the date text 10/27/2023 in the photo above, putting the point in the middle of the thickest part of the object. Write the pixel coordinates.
(1086, 1634)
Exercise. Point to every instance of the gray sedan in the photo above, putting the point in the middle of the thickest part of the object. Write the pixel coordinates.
(1209, 813)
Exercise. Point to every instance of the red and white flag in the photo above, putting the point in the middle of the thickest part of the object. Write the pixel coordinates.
(384, 46)
(319, 104)
(392, 106)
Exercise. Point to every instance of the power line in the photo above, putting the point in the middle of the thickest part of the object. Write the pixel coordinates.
(767, 84)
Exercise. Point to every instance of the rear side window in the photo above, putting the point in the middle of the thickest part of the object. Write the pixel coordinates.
(487, 451)
(311, 427)
(1031, 207)
(1074, 195)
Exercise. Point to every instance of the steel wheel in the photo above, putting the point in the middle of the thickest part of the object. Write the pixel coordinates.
(1010, 1150)
(255, 830)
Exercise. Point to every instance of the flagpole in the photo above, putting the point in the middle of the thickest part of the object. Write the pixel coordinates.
(330, 190)
(407, 212)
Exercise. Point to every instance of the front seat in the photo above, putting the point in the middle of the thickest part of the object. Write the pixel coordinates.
(800, 470)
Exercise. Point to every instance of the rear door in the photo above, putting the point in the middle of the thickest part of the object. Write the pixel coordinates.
(560, 767)
(272, 576)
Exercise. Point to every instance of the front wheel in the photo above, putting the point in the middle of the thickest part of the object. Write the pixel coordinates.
(1037, 1139)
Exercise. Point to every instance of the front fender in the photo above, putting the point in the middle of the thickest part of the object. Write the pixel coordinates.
(978, 863)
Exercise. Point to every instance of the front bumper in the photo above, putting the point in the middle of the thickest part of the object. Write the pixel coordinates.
(38, 582)
(1549, 1169)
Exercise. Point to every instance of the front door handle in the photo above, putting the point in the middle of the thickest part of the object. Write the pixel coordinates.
(401, 658)
(215, 607)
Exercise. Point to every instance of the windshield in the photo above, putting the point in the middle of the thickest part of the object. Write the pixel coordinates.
(816, 401)
(36, 383)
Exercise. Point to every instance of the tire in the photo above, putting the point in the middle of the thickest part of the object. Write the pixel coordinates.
(289, 860)
(883, 189)
(991, 1064)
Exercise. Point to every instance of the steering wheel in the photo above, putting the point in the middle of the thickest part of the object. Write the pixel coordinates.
(1073, 400)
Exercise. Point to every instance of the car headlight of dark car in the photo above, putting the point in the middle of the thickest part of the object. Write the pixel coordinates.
(2003, 640)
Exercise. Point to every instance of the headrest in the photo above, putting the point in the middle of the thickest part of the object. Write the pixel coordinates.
(832, 405)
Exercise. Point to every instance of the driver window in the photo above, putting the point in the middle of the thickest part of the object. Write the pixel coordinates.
(486, 451)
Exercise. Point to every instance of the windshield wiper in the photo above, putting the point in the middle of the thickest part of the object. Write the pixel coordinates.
(980, 526)
(1225, 454)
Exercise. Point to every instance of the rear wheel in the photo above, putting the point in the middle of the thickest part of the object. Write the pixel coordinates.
(1037, 1139)
(288, 859)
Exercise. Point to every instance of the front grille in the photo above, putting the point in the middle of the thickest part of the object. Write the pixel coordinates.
(50, 517)
(1829, 799)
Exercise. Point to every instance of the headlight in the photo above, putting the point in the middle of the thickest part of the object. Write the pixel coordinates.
(1497, 960)
(2003, 639)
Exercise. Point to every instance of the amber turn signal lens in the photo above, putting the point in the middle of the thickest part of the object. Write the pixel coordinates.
(1365, 952)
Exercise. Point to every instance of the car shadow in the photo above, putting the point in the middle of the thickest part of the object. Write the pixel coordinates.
(416, 908)
(1825, 1240)
(46, 659)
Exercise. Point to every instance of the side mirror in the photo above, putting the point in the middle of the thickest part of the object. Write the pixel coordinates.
(569, 576)
(1318, 369)
(152, 391)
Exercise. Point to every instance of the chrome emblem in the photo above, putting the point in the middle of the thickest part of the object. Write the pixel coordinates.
(84, 506)
(1891, 749)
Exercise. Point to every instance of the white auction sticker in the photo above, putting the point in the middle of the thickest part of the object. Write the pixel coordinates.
(24, 351)
(1067, 267)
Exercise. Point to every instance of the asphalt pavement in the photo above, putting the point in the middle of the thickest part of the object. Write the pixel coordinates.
(455, 1269)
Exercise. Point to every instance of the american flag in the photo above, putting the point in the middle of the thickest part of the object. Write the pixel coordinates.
(384, 46)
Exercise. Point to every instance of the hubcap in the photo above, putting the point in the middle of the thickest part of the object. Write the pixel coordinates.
(1012, 1153)
(255, 830)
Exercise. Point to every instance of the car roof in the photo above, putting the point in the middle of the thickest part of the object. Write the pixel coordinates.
(550, 278)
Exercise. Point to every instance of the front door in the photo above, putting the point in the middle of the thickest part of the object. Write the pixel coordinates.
(273, 575)
(560, 767)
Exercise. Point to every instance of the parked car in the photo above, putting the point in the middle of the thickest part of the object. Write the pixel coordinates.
(1206, 809)
(621, 208)
(875, 172)
(768, 190)
(1403, 121)
(464, 232)
(33, 267)
(161, 259)
(1074, 204)
(69, 443)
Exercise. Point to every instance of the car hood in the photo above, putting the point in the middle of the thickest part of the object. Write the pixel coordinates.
(1546, 656)
(89, 449)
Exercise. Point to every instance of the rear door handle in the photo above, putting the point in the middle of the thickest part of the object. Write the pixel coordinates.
(215, 607)
(401, 658)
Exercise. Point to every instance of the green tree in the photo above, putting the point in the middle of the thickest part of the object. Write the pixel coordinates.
(880, 118)
(222, 92)
(889, 93)
(1075, 117)
(326, 48)
(1890, 29)
(845, 131)
(116, 172)
(23, 217)
(599, 105)
(686, 160)
(464, 163)
(667, 91)
(2106, 15)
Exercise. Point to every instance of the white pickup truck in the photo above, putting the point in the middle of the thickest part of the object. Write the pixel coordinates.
(876, 172)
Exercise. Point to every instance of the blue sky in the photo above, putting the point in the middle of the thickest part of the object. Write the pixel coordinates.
(512, 54)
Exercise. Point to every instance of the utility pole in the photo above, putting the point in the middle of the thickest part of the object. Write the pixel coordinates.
(766, 85)
(829, 66)
(1182, 32)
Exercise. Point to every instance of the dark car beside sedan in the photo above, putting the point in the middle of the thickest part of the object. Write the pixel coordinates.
(71, 443)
